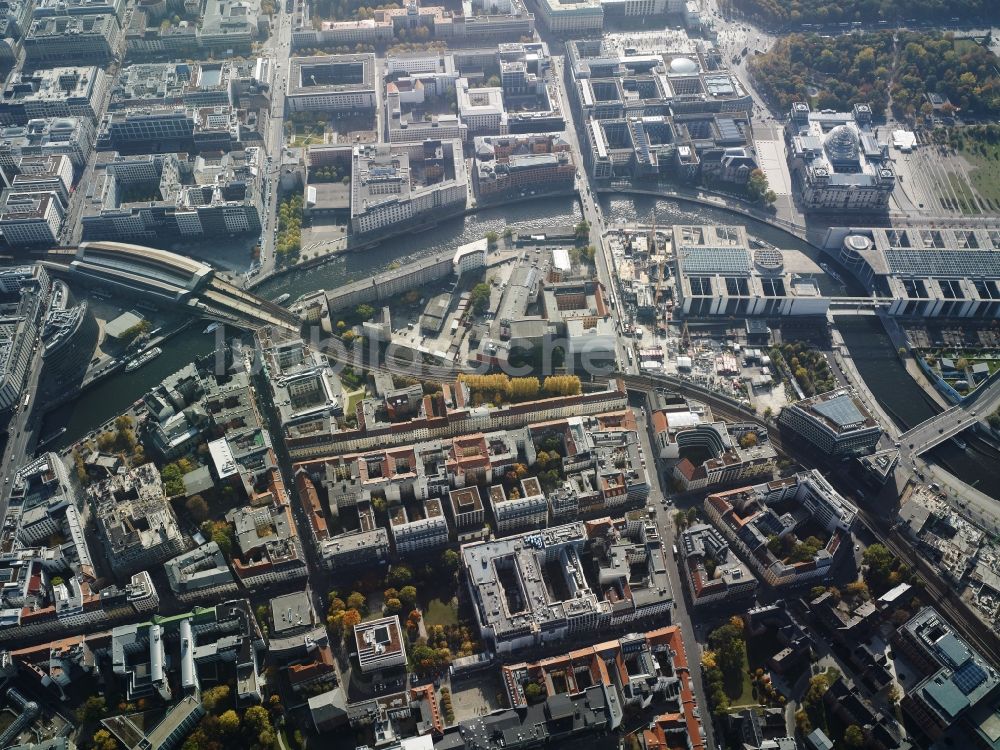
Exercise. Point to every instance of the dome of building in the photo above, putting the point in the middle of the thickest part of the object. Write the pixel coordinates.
(683, 65)
(858, 242)
(769, 260)
(841, 144)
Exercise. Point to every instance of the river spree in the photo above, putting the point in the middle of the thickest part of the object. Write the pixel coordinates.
(908, 405)
(870, 347)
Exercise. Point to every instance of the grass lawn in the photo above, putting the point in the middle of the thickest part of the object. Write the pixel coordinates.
(353, 397)
(438, 612)
(966, 200)
(985, 172)
(746, 696)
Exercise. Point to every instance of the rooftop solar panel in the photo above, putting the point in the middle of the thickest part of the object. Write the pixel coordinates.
(969, 676)
(909, 262)
(728, 261)
(841, 410)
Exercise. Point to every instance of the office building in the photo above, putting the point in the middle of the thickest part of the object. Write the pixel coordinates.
(202, 574)
(380, 644)
(716, 273)
(572, 18)
(200, 197)
(770, 526)
(162, 129)
(231, 25)
(135, 520)
(15, 15)
(73, 40)
(507, 166)
(72, 136)
(478, 22)
(30, 219)
(44, 174)
(50, 587)
(173, 84)
(658, 103)
(956, 684)
(736, 453)
(839, 161)
(925, 271)
(837, 423)
(24, 291)
(331, 82)
(54, 92)
(270, 550)
(69, 335)
(52, 8)
(406, 183)
(713, 574)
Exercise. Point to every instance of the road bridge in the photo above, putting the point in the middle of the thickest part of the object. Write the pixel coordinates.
(932, 432)
(938, 590)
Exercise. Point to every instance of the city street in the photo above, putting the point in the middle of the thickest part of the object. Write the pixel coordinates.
(278, 49)
(592, 215)
(21, 432)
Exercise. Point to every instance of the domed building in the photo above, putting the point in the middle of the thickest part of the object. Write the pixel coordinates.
(841, 163)
(841, 145)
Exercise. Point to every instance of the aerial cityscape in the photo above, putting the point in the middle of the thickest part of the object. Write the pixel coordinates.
(499, 374)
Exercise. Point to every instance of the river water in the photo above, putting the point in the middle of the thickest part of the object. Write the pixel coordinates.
(870, 347)
(908, 405)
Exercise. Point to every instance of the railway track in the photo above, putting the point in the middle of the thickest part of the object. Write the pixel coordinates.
(944, 597)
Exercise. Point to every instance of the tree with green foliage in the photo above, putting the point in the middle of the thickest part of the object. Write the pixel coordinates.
(399, 575)
(215, 698)
(408, 596)
(854, 736)
(533, 692)
(197, 508)
(357, 601)
(450, 560)
(92, 709)
(103, 740)
(480, 297)
(365, 311)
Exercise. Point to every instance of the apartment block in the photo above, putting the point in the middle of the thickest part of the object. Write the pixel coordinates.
(713, 574)
(769, 525)
(380, 644)
(426, 531)
(532, 589)
(135, 521)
